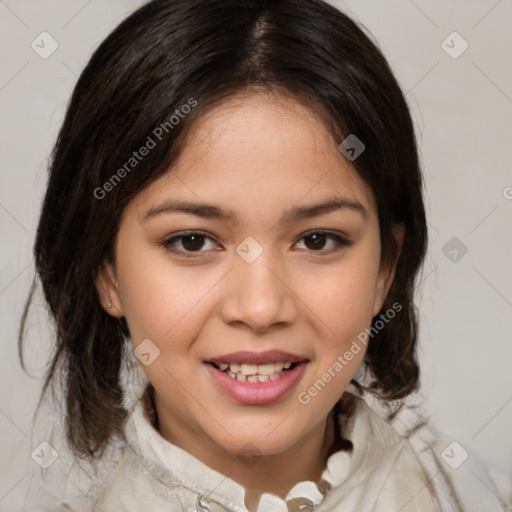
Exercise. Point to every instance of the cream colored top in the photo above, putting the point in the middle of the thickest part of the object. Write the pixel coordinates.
(382, 473)
(389, 469)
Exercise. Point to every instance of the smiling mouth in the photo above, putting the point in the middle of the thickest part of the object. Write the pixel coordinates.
(252, 378)
(246, 372)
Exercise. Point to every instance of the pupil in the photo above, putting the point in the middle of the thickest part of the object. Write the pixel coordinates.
(318, 241)
(197, 242)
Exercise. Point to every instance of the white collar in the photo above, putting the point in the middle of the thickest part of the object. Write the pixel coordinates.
(176, 467)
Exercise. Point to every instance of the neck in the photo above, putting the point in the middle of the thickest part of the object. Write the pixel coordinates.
(275, 474)
(279, 473)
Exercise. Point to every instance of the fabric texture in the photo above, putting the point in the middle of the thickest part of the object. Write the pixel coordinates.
(396, 465)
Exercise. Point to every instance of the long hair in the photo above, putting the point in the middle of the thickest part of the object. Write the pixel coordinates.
(170, 53)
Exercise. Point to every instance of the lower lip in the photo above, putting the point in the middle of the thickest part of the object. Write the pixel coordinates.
(257, 393)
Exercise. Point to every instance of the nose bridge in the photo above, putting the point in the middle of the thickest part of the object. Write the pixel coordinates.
(257, 296)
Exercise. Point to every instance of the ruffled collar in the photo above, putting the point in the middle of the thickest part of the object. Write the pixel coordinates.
(214, 491)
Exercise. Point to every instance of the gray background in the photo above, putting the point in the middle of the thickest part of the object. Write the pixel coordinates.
(463, 110)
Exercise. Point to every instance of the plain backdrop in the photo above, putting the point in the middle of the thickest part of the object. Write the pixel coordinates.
(462, 108)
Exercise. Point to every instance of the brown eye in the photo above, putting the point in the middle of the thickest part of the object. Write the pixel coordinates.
(317, 240)
(190, 242)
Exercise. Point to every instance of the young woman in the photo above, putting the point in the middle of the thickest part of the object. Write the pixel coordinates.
(235, 205)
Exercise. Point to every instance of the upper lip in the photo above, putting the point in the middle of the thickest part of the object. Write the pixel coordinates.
(266, 357)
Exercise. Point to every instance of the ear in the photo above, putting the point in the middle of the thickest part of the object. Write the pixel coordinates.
(108, 289)
(387, 272)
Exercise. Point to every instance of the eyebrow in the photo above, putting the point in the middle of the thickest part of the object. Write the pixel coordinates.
(291, 215)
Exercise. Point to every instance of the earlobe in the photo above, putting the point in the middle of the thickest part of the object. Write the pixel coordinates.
(387, 272)
(108, 289)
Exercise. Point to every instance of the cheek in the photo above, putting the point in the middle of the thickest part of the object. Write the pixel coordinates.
(158, 299)
(343, 298)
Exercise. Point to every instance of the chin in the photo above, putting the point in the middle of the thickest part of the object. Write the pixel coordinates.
(257, 444)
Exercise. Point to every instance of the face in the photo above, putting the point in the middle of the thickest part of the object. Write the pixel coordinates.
(257, 254)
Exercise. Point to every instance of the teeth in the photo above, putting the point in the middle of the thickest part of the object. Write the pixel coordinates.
(255, 369)
(248, 369)
(266, 369)
(247, 372)
(254, 378)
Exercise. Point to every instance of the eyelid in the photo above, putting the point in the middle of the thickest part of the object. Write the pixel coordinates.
(340, 239)
(183, 234)
(336, 234)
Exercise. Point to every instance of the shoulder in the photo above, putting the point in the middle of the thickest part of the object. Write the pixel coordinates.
(418, 461)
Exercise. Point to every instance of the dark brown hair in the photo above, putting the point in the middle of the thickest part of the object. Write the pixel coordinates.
(154, 62)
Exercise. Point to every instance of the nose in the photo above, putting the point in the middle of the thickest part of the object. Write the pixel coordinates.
(258, 295)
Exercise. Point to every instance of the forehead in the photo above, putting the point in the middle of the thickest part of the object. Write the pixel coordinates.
(258, 153)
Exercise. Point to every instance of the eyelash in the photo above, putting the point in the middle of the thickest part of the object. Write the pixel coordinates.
(167, 244)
